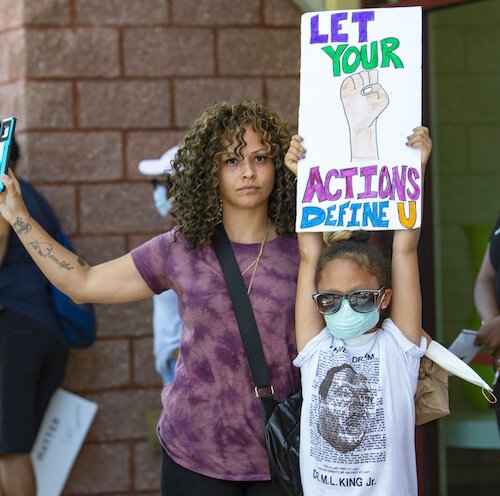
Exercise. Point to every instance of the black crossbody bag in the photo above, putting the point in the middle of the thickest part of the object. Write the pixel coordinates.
(281, 420)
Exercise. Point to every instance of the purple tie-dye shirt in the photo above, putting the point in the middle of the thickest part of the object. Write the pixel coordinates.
(211, 421)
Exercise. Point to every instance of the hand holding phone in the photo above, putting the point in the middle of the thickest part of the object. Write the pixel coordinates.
(6, 135)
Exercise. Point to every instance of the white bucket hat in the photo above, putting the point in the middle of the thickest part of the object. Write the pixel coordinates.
(158, 166)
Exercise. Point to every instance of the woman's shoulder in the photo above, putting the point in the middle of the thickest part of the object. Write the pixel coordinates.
(286, 244)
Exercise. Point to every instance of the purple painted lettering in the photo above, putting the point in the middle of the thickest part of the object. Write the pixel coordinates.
(347, 175)
(338, 37)
(367, 172)
(316, 37)
(384, 183)
(314, 186)
(399, 182)
(335, 196)
(363, 18)
(413, 175)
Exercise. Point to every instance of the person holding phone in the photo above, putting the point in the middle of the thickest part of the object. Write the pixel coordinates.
(229, 168)
(33, 351)
(167, 323)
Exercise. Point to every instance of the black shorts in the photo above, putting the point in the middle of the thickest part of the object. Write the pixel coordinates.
(179, 481)
(32, 363)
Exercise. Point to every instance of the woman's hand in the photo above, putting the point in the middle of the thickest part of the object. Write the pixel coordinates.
(421, 140)
(11, 201)
(294, 153)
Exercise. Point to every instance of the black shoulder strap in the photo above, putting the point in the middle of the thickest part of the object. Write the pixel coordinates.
(244, 312)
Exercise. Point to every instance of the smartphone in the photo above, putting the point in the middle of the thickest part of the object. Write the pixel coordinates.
(6, 135)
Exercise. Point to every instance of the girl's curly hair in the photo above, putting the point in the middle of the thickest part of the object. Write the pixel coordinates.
(195, 185)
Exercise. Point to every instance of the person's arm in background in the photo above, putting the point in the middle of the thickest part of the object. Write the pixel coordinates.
(4, 238)
(486, 305)
(116, 281)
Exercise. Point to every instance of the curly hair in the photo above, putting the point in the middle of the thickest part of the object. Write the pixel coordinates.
(195, 184)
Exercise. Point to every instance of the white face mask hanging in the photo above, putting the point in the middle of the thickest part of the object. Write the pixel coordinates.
(450, 362)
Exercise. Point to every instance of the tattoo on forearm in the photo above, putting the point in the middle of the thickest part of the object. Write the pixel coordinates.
(81, 261)
(45, 251)
(22, 227)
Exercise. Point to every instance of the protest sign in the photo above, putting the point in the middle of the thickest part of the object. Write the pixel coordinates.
(60, 437)
(360, 98)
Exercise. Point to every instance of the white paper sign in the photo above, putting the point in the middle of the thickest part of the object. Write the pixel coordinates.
(61, 435)
(463, 346)
(360, 98)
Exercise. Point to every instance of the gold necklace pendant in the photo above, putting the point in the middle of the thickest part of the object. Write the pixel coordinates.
(255, 263)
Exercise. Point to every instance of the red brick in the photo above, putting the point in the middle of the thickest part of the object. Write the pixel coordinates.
(127, 319)
(247, 51)
(121, 414)
(283, 97)
(101, 468)
(49, 105)
(74, 156)
(281, 13)
(168, 51)
(12, 55)
(148, 144)
(47, 12)
(118, 208)
(124, 104)
(12, 98)
(106, 364)
(62, 200)
(215, 12)
(116, 12)
(192, 96)
(83, 52)
(99, 249)
(147, 467)
(11, 14)
(144, 367)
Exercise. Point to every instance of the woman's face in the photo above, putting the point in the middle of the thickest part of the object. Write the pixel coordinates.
(246, 181)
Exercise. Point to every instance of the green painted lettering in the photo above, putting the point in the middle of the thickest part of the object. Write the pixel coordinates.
(335, 56)
(387, 46)
(373, 62)
(347, 66)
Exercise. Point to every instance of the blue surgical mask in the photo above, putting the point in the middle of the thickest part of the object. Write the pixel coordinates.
(162, 203)
(347, 323)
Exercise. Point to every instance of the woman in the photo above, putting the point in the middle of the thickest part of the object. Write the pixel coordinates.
(230, 169)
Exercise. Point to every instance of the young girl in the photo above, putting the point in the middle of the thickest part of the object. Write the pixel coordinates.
(359, 375)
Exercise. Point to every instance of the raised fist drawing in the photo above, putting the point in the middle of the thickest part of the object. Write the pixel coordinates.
(364, 99)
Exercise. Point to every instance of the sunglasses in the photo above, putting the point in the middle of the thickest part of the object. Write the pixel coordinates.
(362, 301)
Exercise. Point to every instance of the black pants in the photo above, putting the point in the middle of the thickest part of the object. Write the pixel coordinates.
(178, 481)
(32, 363)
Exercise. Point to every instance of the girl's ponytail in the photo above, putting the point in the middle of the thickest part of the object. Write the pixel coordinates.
(330, 238)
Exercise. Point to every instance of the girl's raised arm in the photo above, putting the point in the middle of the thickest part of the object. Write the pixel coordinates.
(308, 321)
(117, 281)
(406, 309)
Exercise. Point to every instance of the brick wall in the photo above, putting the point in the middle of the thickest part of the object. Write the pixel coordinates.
(98, 85)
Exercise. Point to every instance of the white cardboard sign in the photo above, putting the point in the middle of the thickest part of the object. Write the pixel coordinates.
(360, 98)
(61, 435)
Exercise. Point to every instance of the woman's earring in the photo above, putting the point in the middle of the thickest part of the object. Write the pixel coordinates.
(220, 206)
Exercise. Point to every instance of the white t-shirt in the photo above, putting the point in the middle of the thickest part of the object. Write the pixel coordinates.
(358, 416)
